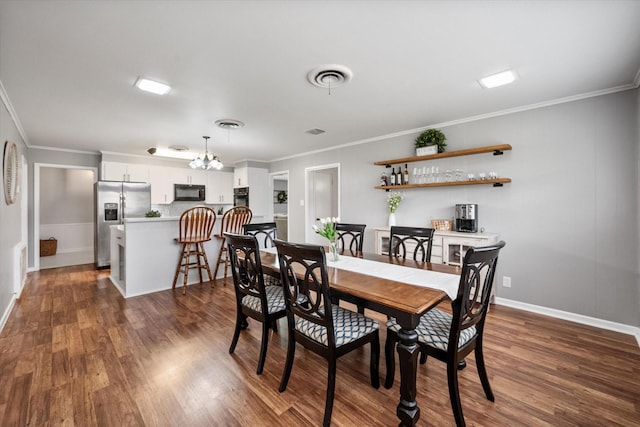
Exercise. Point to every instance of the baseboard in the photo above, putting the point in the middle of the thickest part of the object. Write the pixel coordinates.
(7, 312)
(573, 317)
(71, 250)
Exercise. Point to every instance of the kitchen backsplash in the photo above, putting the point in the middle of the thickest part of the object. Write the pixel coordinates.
(176, 208)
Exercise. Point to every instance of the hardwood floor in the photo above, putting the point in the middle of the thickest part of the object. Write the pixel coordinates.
(75, 353)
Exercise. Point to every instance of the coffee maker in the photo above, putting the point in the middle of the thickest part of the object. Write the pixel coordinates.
(466, 217)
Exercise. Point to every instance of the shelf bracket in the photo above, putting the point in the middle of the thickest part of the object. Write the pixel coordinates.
(498, 152)
(387, 166)
(497, 184)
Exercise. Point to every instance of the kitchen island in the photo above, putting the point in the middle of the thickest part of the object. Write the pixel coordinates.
(145, 252)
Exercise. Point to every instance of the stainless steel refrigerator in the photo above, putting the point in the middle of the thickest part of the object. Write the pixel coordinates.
(115, 201)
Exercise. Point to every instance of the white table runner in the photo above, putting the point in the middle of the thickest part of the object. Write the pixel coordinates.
(413, 276)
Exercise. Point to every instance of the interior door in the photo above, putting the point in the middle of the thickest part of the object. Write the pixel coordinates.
(323, 199)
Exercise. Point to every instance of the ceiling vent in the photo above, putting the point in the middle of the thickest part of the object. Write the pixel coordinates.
(329, 76)
(229, 124)
(315, 131)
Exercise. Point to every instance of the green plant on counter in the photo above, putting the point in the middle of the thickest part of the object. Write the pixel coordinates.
(432, 137)
(152, 214)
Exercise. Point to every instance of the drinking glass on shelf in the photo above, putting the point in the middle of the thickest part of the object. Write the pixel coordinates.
(493, 175)
(458, 173)
(424, 175)
(482, 176)
(471, 177)
(447, 175)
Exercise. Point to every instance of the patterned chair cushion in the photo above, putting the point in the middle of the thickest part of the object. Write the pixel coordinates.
(348, 325)
(275, 300)
(434, 328)
(270, 280)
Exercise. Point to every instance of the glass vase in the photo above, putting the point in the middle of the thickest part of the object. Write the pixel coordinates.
(333, 251)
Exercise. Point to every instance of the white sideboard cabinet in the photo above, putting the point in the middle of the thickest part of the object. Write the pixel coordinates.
(449, 247)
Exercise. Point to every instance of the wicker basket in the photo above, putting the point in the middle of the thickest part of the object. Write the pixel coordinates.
(48, 247)
(442, 224)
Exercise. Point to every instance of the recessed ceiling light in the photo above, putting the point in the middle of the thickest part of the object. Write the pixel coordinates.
(152, 86)
(498, 79)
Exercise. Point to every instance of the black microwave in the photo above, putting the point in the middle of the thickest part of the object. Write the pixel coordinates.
(188, 193)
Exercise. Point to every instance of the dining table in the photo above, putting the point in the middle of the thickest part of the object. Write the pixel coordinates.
(401, 288)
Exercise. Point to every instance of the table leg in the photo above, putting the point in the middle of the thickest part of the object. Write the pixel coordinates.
(408, 351)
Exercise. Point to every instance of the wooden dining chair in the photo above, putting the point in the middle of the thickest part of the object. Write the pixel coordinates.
(254, 298)
(266, 233)
(232, 222)
(465, 327)
(318, 325)
(413, 241)
(196, 225)
(350, 236)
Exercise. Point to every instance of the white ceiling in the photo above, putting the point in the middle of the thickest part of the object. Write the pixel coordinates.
(68, 68)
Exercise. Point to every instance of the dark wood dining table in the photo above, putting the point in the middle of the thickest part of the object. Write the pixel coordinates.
(406, 302)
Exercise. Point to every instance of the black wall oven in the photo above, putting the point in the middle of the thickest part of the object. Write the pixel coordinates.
(241, 196)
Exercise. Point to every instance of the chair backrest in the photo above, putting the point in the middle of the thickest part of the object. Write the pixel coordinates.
(353, 234)
(266, 233)
(417, 241)
(196, 224)
(234, 219)
(303, 271)
(246, 268)
(474, 292)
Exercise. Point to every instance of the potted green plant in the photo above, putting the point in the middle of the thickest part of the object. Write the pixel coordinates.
(431, 141)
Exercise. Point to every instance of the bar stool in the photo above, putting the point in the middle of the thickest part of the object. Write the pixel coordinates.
(232, 222)
(196, 225)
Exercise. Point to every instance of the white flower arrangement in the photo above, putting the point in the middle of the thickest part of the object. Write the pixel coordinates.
(328, 228)
(394, 200)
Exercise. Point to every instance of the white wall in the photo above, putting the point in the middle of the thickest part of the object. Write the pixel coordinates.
(66, 195)
(10, 222)
(570, 216)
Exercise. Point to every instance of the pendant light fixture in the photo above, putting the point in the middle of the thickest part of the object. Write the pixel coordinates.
(206, 161)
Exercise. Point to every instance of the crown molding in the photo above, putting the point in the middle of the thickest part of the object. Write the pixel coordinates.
(66, 150)
(14, 116)
(506, 112)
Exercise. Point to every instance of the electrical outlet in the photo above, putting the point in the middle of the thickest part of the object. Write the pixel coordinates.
(506, 281)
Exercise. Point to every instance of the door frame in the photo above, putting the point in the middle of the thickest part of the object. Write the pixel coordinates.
(308, 223)
(36, 203)
(272, 176)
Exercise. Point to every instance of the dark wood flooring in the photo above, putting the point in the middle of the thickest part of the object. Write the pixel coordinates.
(75, 353)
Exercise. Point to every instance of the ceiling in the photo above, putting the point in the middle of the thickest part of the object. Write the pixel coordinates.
(68, 68)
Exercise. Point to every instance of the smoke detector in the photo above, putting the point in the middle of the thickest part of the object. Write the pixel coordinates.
(330, 75)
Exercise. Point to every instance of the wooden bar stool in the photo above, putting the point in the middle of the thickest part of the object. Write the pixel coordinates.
(196, 225)
(232, 222)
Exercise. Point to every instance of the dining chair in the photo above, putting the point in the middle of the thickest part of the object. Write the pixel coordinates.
(318, 325)
(414, 241)
(232, 222)
(254, 298)
(195, 228)
(266, 233)
(350, 236)
(438, 329)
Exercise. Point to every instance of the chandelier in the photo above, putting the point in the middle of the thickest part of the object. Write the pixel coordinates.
(206, 160)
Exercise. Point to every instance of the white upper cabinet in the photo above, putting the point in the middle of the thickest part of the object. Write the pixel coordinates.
(161, 180)
(219, 188)
(189, 176)
(241, 177)
(114, 171)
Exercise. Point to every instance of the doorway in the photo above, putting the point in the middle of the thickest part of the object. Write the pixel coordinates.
(63, 210)
(280, 189)
(322, 198)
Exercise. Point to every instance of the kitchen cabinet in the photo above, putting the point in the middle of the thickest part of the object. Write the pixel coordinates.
(219, 188)
(496, 182)
(241, 177)
(189, 176)
(115, 171)
(382, 244)
(161, 179)
(257, 179)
